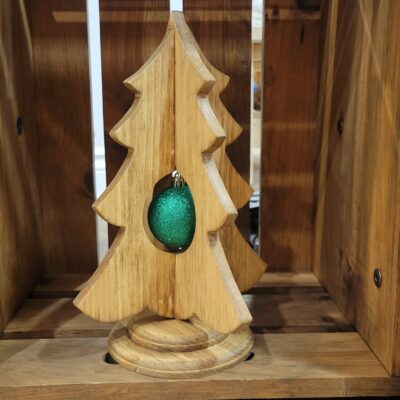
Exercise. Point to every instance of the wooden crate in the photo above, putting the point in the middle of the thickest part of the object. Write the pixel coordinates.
(329, 212)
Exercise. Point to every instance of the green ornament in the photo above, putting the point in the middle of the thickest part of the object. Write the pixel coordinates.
(171, 216)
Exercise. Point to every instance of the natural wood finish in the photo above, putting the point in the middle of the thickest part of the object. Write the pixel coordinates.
(280, 303)
(62, 104)
(135, 273)
(183, 134)
(284, 366)
(277, 279)
(360, 224)
(202, 351)
(222, 29)
(130, 32)
(204, 285)
(21, 258)
(60, 285)
(290, 140)
(246, 266)
(51, 318)
(69, 285)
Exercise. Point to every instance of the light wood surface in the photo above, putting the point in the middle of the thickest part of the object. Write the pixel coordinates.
(183, 135)
(290, 139)
(284, 366)
(222, 29)
(361, 219)
(204, 285)
(176, 349)
(60, 285)
(301, 365)
(21, 261)
(69, 285)
(62, 106)
(281, 302)
(130, 33)
(52, 318)
(135, 273)
(246, 266)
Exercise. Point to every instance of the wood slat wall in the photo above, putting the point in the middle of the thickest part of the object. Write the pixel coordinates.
(62, 103)
(290, 139)
(222, 29)
(130, 32)
(359, 185)
(20, 219)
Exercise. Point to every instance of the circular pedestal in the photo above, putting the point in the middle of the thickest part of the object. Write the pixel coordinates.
(168, 348)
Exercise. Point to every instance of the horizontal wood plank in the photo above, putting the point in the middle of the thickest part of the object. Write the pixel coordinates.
(284, 366)
(291, 309)
(69, 285)
(52, 318)
(60, 285)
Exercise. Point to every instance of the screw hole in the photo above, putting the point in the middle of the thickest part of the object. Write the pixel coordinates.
(250, 356)
(378, 277)
(108, 359)
(19, 125)
(340, 125)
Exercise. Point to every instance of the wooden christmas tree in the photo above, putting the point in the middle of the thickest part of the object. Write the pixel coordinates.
(172, 125)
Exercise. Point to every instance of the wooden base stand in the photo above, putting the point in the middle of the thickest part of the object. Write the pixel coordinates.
(169, 348)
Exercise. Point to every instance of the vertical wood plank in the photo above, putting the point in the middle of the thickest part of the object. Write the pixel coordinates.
(20, 234)
(130, 32)
(222, 29)
(61, 80)
(290, 139)
(360, 230)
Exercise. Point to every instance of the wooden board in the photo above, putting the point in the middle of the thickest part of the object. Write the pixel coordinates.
(290, 139)
(284, 366)
(52, 318)
(281, 303)
(130, 32)
(222, 29)
(69, 285)
(360, 225)
(64, 285)
(182, 131)
(61, 80)
(21, 259)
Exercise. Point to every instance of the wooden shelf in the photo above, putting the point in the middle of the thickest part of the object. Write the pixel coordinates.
(50, 350)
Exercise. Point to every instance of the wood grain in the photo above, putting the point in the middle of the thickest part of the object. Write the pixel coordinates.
(182, 131)
(177, 359)
(61, 80)
(246, 266)
(360, 225)
(52, 318)
(130, 32)
(21, 258)
(204, 284)
(290, 140)
(281, 303)
(60, 285)
(222, 29)
(284, 366)
(137, 274)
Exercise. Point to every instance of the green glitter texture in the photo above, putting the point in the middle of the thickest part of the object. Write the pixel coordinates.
(172, 218)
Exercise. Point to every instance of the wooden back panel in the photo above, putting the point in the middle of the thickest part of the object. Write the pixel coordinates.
(358, 221)
(290, 139)
(62, 103)
(21, 259)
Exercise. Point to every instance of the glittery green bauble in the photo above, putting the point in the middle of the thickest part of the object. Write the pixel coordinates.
(172, 218)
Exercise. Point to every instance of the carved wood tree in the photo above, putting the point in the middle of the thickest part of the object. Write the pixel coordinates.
(171, 125)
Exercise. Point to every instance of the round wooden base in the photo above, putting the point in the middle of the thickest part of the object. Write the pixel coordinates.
(168, 348)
